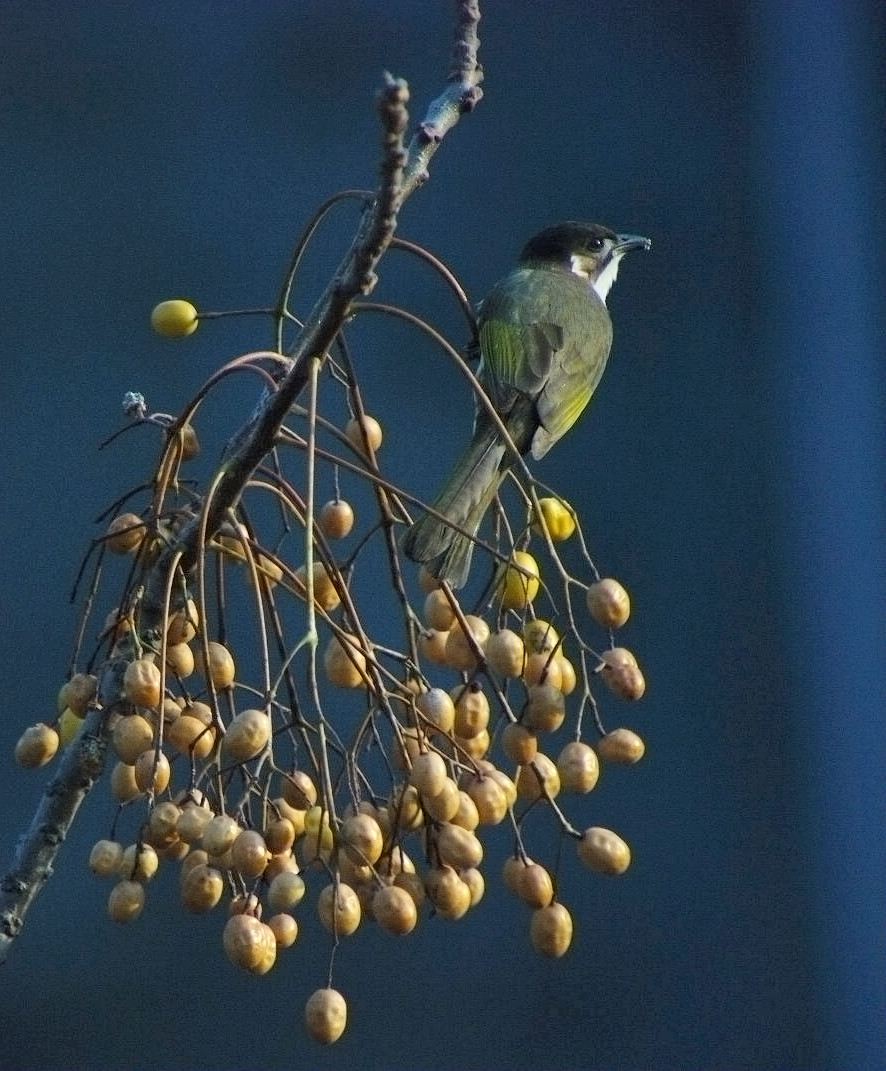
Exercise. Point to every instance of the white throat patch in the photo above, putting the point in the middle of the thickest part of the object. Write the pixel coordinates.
(583, 267)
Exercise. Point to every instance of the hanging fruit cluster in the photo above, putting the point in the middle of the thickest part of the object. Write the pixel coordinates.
(235, 765)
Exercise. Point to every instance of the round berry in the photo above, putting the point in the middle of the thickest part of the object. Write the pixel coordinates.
(326, 1016)
(174, 319)
(608, 602)
(336, 519)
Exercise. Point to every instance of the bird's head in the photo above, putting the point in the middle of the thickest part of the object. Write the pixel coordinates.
(588, 250)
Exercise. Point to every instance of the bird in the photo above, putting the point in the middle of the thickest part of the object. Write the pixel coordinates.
(544, 335)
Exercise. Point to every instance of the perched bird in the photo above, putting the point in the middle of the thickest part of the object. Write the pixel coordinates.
(544, 335)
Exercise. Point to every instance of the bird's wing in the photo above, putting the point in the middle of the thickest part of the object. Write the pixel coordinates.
(547, 343)
(575, 368)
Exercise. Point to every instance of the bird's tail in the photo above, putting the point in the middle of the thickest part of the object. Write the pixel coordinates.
(464, 500)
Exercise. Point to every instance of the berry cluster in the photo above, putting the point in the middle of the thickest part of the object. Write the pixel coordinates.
(247, 769)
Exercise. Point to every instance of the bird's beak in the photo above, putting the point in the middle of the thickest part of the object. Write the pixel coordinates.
(627, 242)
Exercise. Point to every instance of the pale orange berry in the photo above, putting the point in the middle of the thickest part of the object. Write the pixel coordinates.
(534, 885)
(447, 892)
(299, 790)
(363, 430)
(131, 735)
(460, 650)
(438, 610)
(458, 847)
(345, 661)
(249, 853)
(437, 706)
(249, 943)
(141, 683)
(284, 928)
(152, 771)
(621, 674)
(538, 778)
(326, 1015)
(518, 743)
(36, 746)
(125, 533)
(339, 908)
(471, 710)
(126, 901)
(247, 735)
(604, 851)
(550, 930)
(578, 767)
(429, 773)
(105, 858)
(621, 746)
(505, 653)
(77, 693)
(545, 708)
(608, 602)
(326, 594)
(362, 838)
(220, 667)
(336, 519)
(394, 909)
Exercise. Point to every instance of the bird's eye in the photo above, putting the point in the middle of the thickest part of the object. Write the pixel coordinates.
(596, 244)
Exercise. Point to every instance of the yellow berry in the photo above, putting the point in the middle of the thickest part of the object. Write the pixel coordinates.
(174, 319)
(286, 890)
(556, 517)
(520, 583)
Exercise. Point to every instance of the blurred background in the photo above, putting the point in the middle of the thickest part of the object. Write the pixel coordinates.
(730, 471)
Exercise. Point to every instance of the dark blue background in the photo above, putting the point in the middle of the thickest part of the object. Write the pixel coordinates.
(731, 471)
